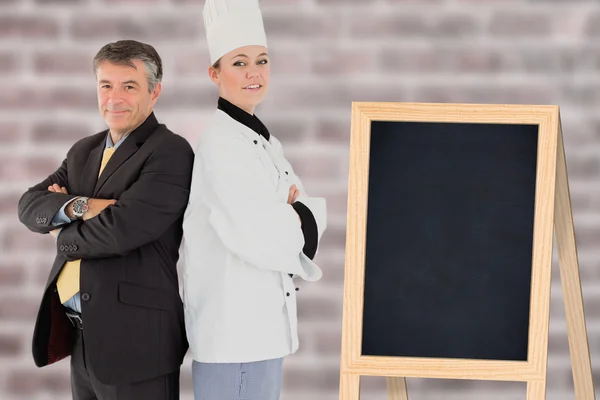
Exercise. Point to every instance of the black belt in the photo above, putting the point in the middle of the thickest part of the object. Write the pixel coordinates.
(75, 318)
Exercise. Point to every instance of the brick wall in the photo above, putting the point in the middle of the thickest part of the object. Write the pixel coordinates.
(325, 53)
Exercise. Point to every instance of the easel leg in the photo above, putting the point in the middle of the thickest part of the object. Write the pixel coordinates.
(396, 388)
(571, 281)
(349, 386)
(536, 390)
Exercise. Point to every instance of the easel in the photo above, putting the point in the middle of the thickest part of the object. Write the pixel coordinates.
(553, 214)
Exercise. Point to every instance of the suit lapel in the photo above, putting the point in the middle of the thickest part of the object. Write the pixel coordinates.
(89, 177)
(128, 148)
(123, 152)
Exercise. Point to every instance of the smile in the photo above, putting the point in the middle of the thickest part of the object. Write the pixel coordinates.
(253, 87)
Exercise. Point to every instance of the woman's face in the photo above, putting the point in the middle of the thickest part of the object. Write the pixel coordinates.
(243, 76)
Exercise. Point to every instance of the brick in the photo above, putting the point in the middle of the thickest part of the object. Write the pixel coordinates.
(191, 62)
(328, 342)
(333, 270)
(31, 382)
(9, 62)
(264, 4)
(28, 27)
(521, 23)
(483, 59)
(16, 169)
(302, 26)
(345, 3)
(472, 386)
(64, 62)
(132, 2)
(288, 131)
(149, 28)
(337, 202)
(583, 132)
(286, 61)
(558, 343)
(583, 166)
(333, 237)
(24, 97)
(61, 131)
(60, 2)
(8, 203)
(585, 201)
(592, 25)
(319, 166)
(19, 240)
(10, 132)
(382, 25)
(41, 268)
(413, 24)
(324, 378)
(18, 308)
(329, 60)
(493, 93)
(332, 131)
(588, 238)
(581, 94)
(180, 97)
(11, 345)
(319, 308)
(12, 274)
(291, 96)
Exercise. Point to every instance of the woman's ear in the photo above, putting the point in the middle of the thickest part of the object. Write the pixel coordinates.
(213, 73)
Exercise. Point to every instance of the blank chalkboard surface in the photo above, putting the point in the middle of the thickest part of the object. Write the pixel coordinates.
(449, 240)
(452, 211)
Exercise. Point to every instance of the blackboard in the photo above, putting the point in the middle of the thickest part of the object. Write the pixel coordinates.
(452, 212)
(449, 240)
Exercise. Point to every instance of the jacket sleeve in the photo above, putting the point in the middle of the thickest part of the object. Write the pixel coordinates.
(142, 213)
(313, 210)
(244, 210)
(38, 206)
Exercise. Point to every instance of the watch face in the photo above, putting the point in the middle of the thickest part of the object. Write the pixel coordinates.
(79, 207)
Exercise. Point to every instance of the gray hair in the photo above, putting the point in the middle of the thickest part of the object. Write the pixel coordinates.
(123, 52)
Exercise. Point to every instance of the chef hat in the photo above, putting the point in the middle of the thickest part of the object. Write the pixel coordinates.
(230, 24)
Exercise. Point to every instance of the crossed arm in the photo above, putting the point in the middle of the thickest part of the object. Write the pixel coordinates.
(112, 227)
(95, 206)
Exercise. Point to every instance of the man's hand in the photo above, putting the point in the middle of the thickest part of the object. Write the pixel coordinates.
(56, 189)
(95, 207)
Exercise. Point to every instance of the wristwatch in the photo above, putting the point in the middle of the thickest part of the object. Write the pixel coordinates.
(80, 207)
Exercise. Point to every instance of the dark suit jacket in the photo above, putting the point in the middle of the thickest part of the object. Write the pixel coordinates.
(131, 308)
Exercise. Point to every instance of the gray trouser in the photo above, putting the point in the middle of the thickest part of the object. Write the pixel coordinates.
(260, 380)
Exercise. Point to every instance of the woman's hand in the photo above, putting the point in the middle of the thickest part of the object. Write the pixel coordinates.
(293, 194)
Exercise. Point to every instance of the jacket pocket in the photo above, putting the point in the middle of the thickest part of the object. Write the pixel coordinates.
(143, 296)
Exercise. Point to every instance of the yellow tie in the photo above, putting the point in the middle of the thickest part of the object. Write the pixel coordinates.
(68, 280)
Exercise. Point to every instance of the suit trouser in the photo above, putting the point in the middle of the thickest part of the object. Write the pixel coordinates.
(260, 380)
(85, 386)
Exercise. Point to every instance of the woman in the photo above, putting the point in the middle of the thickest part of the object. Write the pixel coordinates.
(249, 229)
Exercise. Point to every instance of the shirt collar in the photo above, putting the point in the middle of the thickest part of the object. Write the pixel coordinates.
(243, 117)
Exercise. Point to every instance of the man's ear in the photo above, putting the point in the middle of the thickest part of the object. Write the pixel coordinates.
(156, 92)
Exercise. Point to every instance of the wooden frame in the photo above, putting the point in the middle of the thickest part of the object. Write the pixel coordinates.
(551, 184)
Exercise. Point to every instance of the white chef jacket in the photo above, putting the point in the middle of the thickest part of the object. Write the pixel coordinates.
(241, 241)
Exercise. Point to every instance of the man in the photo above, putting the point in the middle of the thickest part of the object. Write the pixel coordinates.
(116, 207)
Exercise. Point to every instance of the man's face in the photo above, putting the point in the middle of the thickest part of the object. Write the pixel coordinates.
(123, 97)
